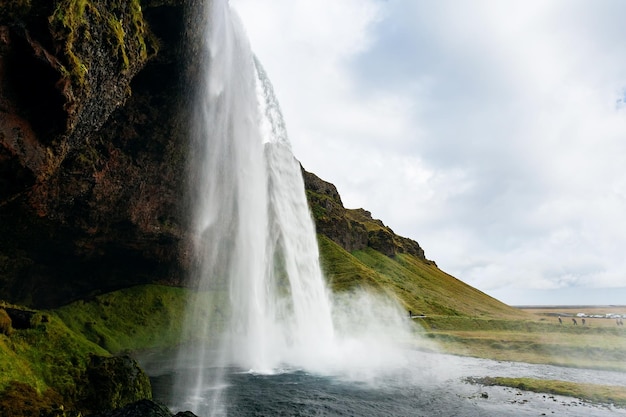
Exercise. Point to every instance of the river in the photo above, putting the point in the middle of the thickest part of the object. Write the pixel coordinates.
(430, 384)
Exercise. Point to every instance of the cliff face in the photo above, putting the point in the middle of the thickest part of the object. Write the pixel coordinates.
(91, 146)
(353, 229)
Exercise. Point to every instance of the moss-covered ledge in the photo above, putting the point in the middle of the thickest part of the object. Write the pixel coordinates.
(75, 359)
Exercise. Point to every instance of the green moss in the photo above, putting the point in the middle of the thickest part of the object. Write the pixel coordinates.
(144, 36)
(112, 383)
(69, 18)
(14, 367)
(47, 356)
(360, 216)
(135, 318)
(123, 36)
(57, 353)
(315, 205)
(117, 34)
(75, 21)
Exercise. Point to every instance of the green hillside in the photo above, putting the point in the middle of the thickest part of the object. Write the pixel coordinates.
(420, 286)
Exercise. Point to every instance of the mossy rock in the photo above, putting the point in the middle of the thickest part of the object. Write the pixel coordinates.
(113, 382)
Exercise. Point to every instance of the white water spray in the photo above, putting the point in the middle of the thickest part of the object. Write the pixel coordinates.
(262, 302)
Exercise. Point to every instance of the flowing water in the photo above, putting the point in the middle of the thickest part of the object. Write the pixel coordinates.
(429, 384)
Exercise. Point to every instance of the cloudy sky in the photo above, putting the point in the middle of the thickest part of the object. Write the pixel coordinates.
(492, 132)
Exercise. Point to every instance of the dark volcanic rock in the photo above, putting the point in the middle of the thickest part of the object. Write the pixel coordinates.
(330, 215)
(20, 319)
(92, 146)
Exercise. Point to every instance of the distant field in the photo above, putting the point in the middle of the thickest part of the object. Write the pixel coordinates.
(536, 337)
(551, 313)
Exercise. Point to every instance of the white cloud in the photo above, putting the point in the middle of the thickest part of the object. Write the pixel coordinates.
(491, 132)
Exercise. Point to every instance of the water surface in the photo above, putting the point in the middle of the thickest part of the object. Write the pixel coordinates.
(430, 385)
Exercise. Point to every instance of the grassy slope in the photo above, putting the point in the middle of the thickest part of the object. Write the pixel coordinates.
(142, 317)
(418, 285)
(463, 320)
(49, 355)
(54, 353)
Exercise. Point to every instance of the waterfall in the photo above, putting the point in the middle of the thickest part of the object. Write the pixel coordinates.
(261, 298)
(261, 304)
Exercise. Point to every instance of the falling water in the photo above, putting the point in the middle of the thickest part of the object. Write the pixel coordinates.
(261, 303)
(262, 300)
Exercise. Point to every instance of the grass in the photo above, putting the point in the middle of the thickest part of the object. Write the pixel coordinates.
(418, 285)
(142, 317)
(48, 355)
(595, 351)
(532, 339)
(604, 394)
(53, 354)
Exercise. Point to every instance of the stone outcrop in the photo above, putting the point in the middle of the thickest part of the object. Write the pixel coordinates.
(330, 215)
(352, 229)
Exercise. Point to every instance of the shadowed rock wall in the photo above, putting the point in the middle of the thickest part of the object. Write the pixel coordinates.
(92, 146)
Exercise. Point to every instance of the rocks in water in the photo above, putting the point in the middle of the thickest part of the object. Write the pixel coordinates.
(143, 408)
